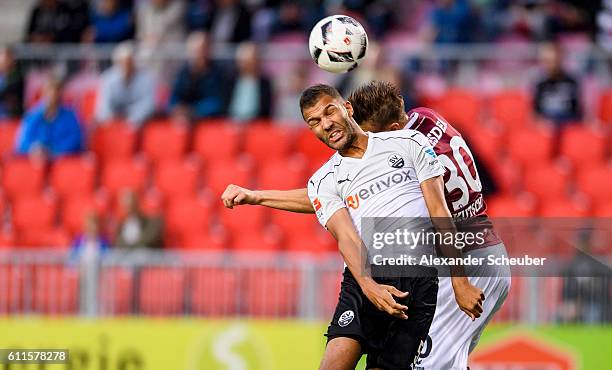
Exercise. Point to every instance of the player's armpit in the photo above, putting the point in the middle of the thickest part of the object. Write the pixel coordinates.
(355, 256)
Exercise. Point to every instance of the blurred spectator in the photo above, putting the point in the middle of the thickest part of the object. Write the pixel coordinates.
(79, 19)
(250, 92)
(160, 21)
(290, 87)
(451, 22)
(137, 230)
(557, 94)
(11, 85)
(378, 14)
(287, 18)
(230, 21)
(126, 91)
(91, 244)
(50, 129)
(199, 87)
(110, 23)
(49, 22)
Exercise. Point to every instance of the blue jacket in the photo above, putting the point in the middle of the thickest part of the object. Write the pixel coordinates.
(60, 136)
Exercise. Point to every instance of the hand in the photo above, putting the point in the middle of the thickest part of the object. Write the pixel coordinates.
(382, 297)
(468, 297)
(235, 195)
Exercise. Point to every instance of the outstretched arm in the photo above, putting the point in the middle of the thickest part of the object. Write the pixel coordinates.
(468, 297)
(295, 200)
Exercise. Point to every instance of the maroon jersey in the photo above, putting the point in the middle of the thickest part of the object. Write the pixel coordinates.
(462, 186)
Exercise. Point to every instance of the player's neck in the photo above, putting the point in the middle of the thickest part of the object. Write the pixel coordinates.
(357, 148)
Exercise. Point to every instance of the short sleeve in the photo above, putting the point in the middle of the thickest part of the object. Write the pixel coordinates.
(424, 159)
(324, 197)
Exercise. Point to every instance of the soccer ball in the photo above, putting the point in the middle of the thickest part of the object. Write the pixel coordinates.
(338, 43)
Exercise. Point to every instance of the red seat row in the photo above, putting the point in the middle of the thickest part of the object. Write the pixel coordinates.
(262, 292)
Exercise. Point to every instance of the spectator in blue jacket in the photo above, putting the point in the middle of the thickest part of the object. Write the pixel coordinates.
(50, 129)
(111, 23)
(198, 90)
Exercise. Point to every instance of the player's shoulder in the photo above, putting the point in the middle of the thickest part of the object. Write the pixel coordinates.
(405, 136)
(327, 171)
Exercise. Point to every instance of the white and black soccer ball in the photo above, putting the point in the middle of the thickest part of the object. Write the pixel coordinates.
(338, 43)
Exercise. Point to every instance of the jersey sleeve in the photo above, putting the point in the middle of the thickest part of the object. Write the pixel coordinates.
(324, 197)
(424, 159)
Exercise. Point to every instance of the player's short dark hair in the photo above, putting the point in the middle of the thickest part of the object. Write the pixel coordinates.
(378, 103)
(312, 94)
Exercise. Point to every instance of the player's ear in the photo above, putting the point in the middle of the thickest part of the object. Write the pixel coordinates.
(394, 126)
(349, 108)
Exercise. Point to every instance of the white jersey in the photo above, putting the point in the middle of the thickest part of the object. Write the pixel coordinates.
(385, 182)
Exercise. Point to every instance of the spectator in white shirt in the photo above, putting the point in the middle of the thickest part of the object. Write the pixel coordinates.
(127, 91)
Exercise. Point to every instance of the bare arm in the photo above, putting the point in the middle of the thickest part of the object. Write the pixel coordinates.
(469, 298)
(354, 254)
(295, 200)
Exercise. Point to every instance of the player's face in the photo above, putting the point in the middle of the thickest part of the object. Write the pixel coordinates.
(330, 119)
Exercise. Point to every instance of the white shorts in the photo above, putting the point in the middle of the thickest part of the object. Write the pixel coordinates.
(453, 335)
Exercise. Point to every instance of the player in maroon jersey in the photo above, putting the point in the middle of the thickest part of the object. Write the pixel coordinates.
(378, 106)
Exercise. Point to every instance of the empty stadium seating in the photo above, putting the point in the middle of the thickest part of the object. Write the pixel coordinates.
(161, 291)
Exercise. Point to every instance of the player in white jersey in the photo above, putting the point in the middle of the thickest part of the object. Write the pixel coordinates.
(386, 175)
(378, 107)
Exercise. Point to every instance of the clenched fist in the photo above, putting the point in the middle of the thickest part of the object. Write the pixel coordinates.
(235, 195)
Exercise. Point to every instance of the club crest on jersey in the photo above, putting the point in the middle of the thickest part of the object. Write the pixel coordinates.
(346, 318)
(395, 161)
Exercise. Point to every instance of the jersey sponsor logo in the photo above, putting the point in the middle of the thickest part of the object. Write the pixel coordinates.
(395, 160)
(346, 318)
(316, 203)
(376, 187)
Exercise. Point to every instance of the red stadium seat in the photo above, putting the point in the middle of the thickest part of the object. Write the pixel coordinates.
(76, 208)
(266, 142)
(272, 293)
(162, 291)
(511, 108)
(582, 145)
(116, 140)
(461, 108)
(119, 175)
(282, 174)
(312, 148)
(317, 241)
(531, 147)
(12, 280)
(510, 206)
(34, 212)
(293, 223)
(563, 208)
(214, 292)
(217, 141)
(486, 145)
(56, 290)
(256, 240)
(177, 178)
(605, 107)
(243, 218)
(187, 216)
(596, 182)
(72, 176)
(164, 141)
(603, 210)
(22, 177)
(116, 290)
(219, 174)
(204, 240)
(55, 237)
(547, 182)
(8, 133)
